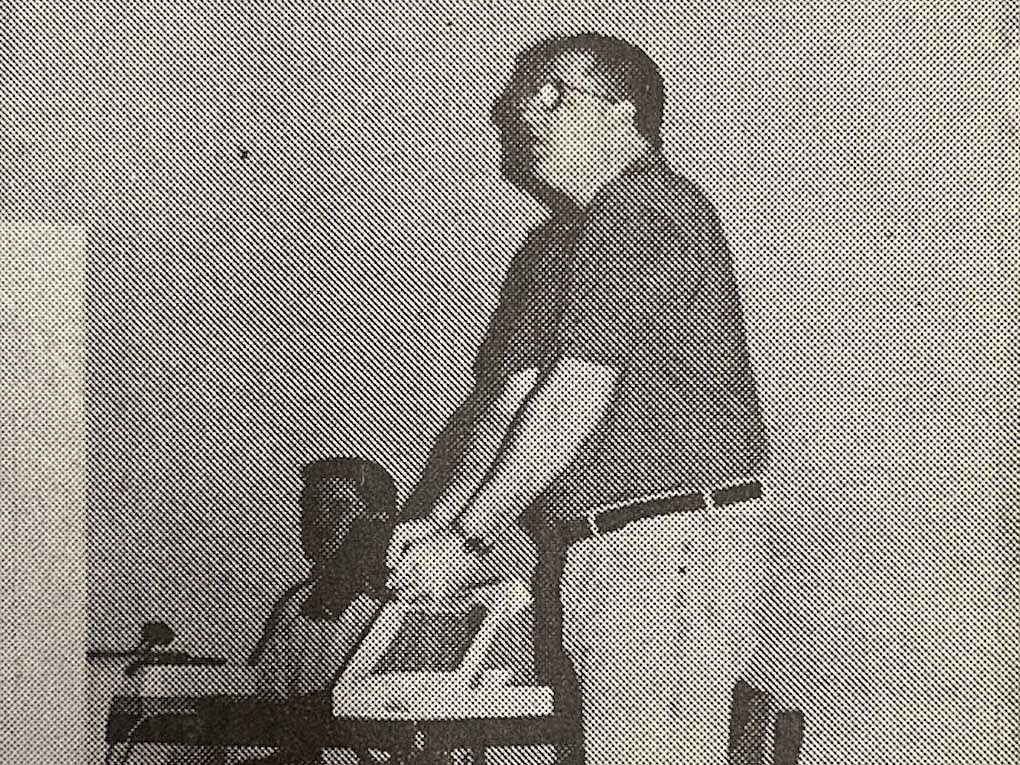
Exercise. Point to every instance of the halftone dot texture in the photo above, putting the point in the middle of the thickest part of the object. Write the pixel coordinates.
(42, 487)
(658, 619)
(297, 232)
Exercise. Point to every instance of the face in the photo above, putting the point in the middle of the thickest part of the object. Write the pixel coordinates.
(327, 511)
(557, 124)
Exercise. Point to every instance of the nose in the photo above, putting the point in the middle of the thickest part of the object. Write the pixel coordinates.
(513, 116)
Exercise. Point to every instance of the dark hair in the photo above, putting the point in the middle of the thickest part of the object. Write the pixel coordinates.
(372, 482)
(626, 71)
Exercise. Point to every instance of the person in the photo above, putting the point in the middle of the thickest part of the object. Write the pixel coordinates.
(614, 412)
(348, 511)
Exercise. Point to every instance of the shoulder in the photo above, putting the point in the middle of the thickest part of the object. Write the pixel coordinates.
(654, 188)
(634, 213)
(654, 217)
(549, 233)
(283, 616)
(691, 203)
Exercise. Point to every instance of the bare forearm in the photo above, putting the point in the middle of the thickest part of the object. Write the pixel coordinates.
(445, 453)
(487, 433)
(546, 435)
(486, 436)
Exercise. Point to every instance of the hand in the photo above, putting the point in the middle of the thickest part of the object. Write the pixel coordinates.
(434, 567)
(406, 533)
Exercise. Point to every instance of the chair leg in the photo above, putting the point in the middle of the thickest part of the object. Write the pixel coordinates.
(749, 717)
(569, 754)
(788, 738)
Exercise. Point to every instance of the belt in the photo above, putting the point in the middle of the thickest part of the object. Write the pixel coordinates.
(601, 522)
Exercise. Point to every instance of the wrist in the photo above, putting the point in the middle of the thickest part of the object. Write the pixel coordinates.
(483, 517)
(474, 543)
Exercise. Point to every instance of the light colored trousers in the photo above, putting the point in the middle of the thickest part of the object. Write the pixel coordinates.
(659, 618)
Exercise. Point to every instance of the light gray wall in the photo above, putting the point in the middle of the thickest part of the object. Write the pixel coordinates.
(42, 492)
(324, 296)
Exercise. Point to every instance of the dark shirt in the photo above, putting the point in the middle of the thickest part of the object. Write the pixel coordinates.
(356, 567)
(642, 280)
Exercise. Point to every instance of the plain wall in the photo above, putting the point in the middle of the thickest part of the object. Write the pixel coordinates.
(297, 230)
(42, 492)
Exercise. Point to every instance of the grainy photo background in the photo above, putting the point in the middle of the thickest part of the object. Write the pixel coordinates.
(239, 238)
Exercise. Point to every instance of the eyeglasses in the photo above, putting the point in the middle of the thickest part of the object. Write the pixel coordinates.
(547, 98)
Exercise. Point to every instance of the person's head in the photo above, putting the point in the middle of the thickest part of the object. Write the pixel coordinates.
(573, 106)
(337, 492)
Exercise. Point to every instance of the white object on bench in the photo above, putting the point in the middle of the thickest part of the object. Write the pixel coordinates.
(444, 678)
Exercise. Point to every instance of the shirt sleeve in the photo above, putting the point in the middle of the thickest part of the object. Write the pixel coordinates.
(508, 343)
(630, 266)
